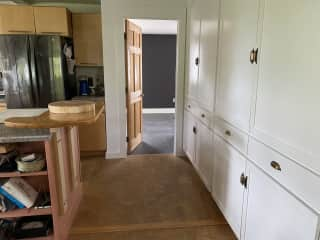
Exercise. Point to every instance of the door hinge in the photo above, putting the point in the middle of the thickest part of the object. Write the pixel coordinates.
(127, 90)
(244, 180)
(125, 36)
(127, 139)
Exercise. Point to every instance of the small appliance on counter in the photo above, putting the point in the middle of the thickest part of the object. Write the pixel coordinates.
(87, 86)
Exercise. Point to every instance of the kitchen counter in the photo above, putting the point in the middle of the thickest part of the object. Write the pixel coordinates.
(50, 120)
(12, 135)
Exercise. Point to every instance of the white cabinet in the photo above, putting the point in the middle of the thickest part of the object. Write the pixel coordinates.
(194, 42)
(236, 74)
(287, 109)
(204, 154)
(274, 214)
(203, 40)
(208, 53)
(189, 137)
(227, 189)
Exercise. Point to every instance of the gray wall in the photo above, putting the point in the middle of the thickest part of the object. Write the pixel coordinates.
(159, 69)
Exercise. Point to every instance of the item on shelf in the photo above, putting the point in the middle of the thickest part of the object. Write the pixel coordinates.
(33, 227)
(19, 192)
(6, 148)
(7, 163)
(5, 204)
(43, 201)
(6, 229)
(30, 163)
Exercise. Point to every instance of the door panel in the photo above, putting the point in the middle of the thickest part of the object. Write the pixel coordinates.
(236, 74)
(287, 115)
(227, 190)
(134, 84)
(273, 213)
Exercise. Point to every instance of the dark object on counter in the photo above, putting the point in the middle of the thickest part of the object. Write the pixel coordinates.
(33, 227)
(7, 162)
(84, 87)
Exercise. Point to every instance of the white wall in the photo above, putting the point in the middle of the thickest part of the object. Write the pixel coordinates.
(114, 12)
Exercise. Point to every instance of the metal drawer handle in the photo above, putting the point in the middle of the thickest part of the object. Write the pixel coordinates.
(276, 166)
(194, 130)
(203, 115)
(228, 133)
(244, 180)
(189, 106)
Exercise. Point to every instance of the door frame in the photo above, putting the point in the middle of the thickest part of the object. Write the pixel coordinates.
(114, 13)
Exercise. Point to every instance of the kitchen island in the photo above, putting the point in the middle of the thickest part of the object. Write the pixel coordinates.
(57, 138)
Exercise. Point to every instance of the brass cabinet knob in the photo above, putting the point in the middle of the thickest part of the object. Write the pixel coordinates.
(228, 133)
(275, 165)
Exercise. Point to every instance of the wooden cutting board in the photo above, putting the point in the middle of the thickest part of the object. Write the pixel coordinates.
(71, 107)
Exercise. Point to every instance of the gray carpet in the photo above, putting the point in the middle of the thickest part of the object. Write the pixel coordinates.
(158, 134)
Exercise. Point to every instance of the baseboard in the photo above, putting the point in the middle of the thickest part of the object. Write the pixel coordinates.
(158, 110)
(109, 156)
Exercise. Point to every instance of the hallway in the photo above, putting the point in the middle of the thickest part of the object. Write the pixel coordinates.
(158, 134)
(149, 197)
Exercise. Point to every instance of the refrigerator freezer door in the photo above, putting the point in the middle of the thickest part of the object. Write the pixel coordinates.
(50, 69)
(16, 66)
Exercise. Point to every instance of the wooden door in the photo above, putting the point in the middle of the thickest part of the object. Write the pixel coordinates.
(227, 190)
(134, 84)
(273, 213)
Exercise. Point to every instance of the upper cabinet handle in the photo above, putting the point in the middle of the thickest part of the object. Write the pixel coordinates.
(276, 166)
(197, 61)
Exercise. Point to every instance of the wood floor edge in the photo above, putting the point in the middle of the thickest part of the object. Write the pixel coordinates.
(144, 227)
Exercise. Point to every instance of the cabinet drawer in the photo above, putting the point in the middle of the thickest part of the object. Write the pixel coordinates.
(205, 117)
(232, 135)
(300, 181)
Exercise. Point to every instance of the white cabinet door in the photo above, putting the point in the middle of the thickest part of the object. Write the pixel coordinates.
(208, 53)
(204, 154)
(274, 214)
(194, 41)
(189, 137)
(227, 190)
(236, 74)
(287, 111)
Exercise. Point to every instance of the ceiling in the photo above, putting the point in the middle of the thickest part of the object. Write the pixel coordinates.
(157, 26)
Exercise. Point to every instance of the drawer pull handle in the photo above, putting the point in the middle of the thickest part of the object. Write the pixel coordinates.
(228, 133)
(276, 166)
(244, 180)
(194, 130)
(189, 106)
(203, 115)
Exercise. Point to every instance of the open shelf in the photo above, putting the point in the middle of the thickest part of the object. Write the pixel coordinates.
(19, 174)
(26, 212)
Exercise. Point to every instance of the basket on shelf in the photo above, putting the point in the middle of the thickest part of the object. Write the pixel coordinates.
(35, 165)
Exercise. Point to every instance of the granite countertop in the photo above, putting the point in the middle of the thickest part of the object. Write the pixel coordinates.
(13, 135)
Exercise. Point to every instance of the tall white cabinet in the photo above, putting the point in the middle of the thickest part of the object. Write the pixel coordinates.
(252, 92)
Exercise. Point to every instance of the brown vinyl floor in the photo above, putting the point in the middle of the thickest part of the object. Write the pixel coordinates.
(146, 197)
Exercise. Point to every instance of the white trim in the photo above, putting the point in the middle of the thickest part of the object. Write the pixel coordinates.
(114, 12)
(158, 110)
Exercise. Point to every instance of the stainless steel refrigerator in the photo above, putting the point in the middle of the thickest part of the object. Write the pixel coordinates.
(33, 70)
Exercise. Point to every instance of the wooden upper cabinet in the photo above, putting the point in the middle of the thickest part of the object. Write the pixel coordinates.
(16, 20)
(53, 21)
(87, 39)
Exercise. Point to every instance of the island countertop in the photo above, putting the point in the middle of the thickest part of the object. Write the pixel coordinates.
(47, 120)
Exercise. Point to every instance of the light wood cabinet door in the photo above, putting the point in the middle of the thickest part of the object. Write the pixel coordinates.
(96, 131)
(273, 213)
(194, 50)
(87, 39)
(204, 154)
(236, 74)
(53, 21)
(16, 20)
(208, 53)
(227, 189)
(189, 138)
(287, 110)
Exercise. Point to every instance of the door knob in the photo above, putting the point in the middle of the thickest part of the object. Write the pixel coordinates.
(276, 165)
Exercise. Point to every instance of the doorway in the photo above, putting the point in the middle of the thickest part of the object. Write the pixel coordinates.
(151, 53)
